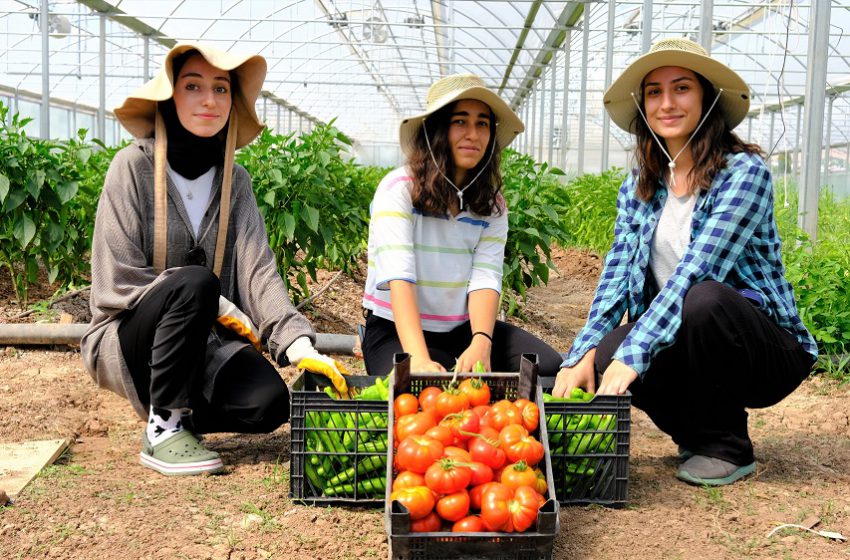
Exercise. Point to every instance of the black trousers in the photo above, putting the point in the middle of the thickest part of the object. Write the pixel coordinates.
(509, 344)
(728, 356)
(164, 342)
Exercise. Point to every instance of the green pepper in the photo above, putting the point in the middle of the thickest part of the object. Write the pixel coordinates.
(370, 487)
(375, 446)
(313, 476)
(368, 464)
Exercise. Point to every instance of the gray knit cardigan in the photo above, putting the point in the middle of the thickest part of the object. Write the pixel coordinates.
(122, 257)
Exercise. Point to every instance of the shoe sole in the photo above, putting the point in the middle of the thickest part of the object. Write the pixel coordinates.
(737, 474)
(181, 469)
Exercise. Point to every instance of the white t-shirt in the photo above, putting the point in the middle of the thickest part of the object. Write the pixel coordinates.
(672, 236)
(195, 194)
(445, 256)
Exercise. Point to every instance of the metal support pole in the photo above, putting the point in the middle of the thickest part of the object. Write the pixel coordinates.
(44, 116)
(828, 134)
(565, 133)
(646, 33)
(847, 168)
(541, 95)
(798, 148)
(770, 135)
(101, 104)
(609, 70)
(531, 99)
(265, 109)
(277, 120)
(815, 97)
(585, 41)
(289, 117)
(552, 66)
(749, 129)
(527, 123)
(706, 27)
(146, 65)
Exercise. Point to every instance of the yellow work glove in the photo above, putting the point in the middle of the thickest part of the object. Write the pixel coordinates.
(234, 319)
(302, 354)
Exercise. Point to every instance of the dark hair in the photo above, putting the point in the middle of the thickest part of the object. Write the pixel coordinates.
(709, 146)
(431, 192)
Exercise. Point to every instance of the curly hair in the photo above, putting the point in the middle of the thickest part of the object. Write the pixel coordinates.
(431, 192)
(709, 147)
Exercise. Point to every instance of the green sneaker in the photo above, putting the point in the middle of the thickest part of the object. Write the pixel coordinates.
(711, 471)
(181, 454)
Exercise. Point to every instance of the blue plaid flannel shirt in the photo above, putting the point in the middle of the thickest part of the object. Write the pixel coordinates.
(734, 240)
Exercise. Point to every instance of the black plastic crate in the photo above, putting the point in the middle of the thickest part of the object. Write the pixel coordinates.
(316, 418)
(530, 545)
(589, 446)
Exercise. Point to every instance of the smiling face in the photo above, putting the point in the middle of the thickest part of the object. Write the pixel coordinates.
(202, 97)
(672, 98)
(469, 134)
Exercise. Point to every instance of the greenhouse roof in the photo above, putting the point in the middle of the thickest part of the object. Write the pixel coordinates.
(368, 64)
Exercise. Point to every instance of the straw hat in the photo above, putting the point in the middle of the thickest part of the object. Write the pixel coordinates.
(453, 88)
(138, 112)
(735, 100)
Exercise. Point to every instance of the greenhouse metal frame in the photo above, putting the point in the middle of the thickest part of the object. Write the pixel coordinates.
(366, 64)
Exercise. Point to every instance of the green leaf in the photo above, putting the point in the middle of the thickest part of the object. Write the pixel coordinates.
(35, 183)
(269, 198)
(83, 154)
(24, 231)
(288, 226)
(4, 187)
(67, 190)
(311, 216)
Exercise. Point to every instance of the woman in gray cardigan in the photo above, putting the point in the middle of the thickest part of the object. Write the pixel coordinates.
(182, 269)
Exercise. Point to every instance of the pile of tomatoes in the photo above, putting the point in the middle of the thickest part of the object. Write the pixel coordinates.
(465, 465)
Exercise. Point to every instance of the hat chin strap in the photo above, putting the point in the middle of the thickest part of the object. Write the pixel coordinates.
(440, 171)
(160, 208)
(672, 164)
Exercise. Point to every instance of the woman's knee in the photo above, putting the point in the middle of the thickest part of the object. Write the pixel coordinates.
(706, 301)
(270, 410)
(608, 346)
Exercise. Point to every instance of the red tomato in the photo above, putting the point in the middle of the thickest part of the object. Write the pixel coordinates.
(419, 500)
(408, 479)
(541, 485)
(476, 390)
(509, 510)
(510, 435)
(431, 523)
(518, 474)
(453, 507)
(417, 453)
(413, 424)
(469, 524)
(451, 401)
(456, 453)
(481, 473)
(481, 410)
(477, 492)
(502, 414)
(443, 434)
(428, 397)
(447, 477)
(527, 449)
(529, 413)
(405, 404)
(463, 424)
(486, 450)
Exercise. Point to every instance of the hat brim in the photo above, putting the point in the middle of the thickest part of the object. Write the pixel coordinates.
(137, 113)
(509, 125)
(735, 100)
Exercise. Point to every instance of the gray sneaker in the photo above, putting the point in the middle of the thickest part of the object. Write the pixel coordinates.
(711, 471)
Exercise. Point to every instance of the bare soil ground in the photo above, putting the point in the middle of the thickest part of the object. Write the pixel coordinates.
(98, 503)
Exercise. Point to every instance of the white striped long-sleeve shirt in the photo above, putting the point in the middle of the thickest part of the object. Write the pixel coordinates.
(447, 257)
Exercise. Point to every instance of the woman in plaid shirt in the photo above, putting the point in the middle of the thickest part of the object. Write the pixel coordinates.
(712, 323)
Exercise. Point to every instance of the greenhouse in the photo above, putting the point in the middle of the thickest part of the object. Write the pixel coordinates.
(318, 143)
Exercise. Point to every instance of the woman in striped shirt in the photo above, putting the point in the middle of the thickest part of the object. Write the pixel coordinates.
(437, 241)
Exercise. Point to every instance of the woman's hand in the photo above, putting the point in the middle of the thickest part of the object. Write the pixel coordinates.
(580, 375)
(616, 379)
(478, 350)
(425, 364)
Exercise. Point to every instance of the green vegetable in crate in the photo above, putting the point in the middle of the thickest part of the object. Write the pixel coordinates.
(366, 465)
(370, 487)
